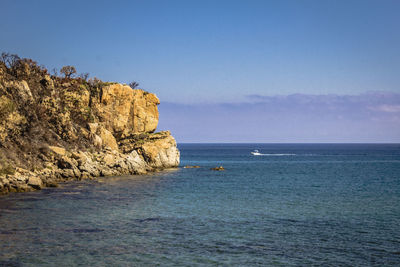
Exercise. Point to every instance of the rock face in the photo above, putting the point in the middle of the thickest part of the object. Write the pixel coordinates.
(161, 151)
(55, 129)
(108, 140)
(24, 94)
(125, 111)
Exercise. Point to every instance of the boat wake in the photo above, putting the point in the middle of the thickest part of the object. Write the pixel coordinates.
(283, 154)
(258, 153)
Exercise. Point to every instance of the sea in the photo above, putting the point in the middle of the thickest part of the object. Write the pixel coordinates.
(294, 205)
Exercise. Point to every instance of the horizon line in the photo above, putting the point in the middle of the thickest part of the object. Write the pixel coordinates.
(326, 143)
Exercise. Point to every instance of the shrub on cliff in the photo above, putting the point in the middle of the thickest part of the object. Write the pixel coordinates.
(84, 76)
(133, 85)
(8, 169)
(9, 60)
(20, 68)
(7, 106)
(68, 71)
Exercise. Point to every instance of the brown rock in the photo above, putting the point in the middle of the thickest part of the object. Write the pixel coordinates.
(50, 183)
(160, 150)
(135, 163)
(220, 168)
(96, 140)
(11, 121)
(109, 160)
(58, 150)
(67, 173)
(67, 163)
(85, 175)
(35, 182)
(21, 89)
(48, 82)
(93, 127)
(125, 111)
(107, 138)
(80, 157)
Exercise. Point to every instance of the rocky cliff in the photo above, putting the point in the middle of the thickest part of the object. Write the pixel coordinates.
(55, 129)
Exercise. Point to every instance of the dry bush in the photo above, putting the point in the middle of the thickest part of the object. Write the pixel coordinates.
(68, 71)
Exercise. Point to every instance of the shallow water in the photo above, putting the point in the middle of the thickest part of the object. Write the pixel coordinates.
(311, 204)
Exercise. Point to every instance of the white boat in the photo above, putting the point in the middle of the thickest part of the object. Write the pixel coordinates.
(256, 153)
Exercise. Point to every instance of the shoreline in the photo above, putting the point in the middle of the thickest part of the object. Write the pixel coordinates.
(77, 165)
(57, 128)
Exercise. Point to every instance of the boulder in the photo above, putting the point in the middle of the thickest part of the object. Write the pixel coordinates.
(67, 173)
(35, 182)
(66, 163)
(80, 157)
(160, 151)
(109, 160)
(58, 150)
(108, 140)
(21, 90)
(135, 163)
(90, 168)
(96, 140)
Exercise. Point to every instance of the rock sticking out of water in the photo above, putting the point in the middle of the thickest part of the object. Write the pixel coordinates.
(220, 168)
(191, 167)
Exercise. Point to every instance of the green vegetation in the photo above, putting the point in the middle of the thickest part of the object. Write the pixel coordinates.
(7, 106)
(39, 109)
(88, 114)
(7, 170)
(58, 108)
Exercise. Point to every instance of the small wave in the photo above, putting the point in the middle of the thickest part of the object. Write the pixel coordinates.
(85, 230)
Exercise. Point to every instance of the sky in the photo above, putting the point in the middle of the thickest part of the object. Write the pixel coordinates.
(244, 71)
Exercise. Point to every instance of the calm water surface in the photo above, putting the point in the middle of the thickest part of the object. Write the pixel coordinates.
(331, 205)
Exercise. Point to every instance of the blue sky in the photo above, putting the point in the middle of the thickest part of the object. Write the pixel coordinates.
(205, 54)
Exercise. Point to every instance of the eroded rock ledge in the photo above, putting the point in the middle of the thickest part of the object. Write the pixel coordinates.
(155, 152)
(55, 129)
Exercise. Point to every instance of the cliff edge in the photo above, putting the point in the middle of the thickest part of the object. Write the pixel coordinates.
(54, 128)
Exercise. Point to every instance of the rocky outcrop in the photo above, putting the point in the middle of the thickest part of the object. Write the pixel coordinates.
(160, 151)
(219, 168)
(56, 129)
(23, 92)
(125, 111)
(156, 152)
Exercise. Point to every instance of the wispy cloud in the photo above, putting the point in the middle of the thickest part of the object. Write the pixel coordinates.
(387, 108)
(370, 117)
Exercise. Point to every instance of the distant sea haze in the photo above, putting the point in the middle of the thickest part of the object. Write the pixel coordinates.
(366, 118)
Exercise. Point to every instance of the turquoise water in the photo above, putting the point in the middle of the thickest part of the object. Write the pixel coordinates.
(331, 205)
